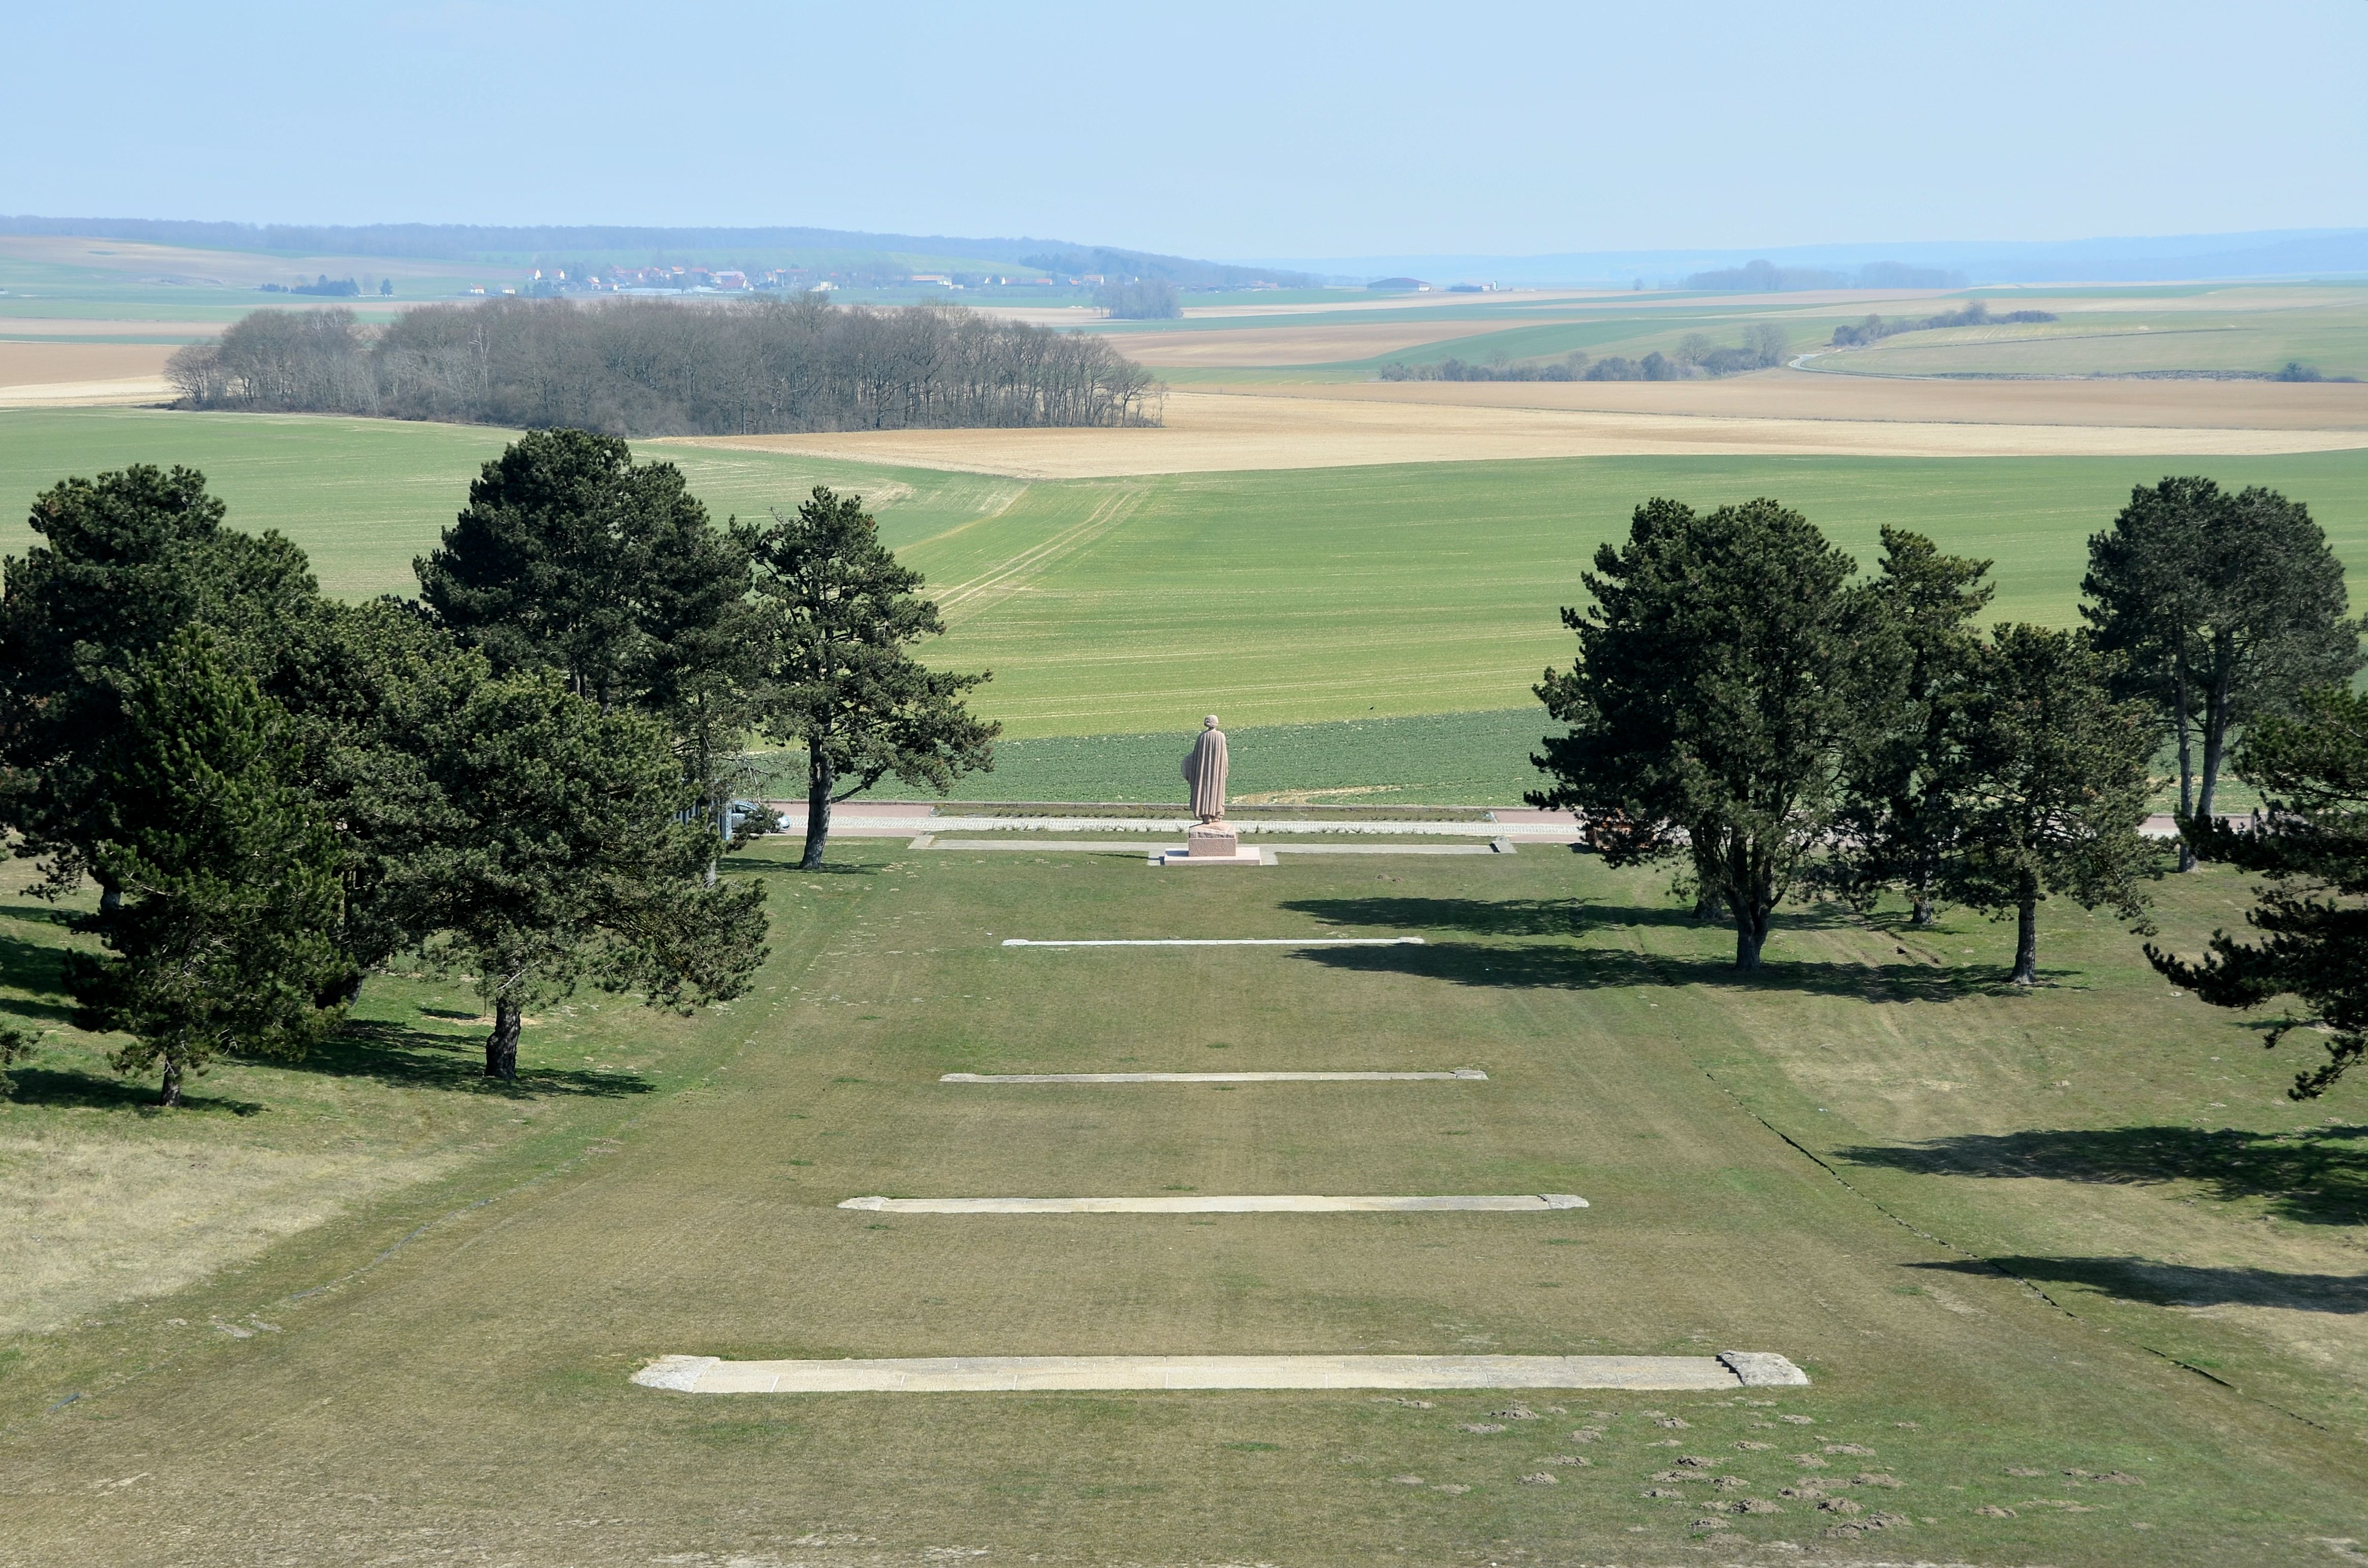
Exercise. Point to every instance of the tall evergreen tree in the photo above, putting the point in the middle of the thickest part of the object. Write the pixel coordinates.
(2312, 845)
(128, 560)
(2222, 608)
(1724, 672)
(2052, 786)
(1898, 823)
(558, 848)
(220, 940)
(571, 557)
(841, 613)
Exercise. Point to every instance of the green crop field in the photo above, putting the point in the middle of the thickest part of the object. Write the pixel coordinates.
(2070, 1278)
(1130, 606)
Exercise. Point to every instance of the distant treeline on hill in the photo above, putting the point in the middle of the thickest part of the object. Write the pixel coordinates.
(1767, 277)
(1144, 299)
(859, 252)
(1764, 346)
(654, 368)
(1875, 328)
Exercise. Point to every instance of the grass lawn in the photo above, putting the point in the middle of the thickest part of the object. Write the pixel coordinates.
(2022, 1242)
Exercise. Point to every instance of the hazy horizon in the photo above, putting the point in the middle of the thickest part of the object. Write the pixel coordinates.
(1377, 132)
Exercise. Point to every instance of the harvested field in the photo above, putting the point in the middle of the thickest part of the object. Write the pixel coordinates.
(1796, 394)
(1401, 423)
(18, 326)
(1197, 349)
(61, 374)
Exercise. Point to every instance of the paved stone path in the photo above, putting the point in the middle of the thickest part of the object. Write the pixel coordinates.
(964, 1374)
(1198, 1203)
(1468, 1074)
(1224, 942)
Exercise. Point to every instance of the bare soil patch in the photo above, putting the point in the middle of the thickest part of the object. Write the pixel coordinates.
(1301, 345)
(1339, 427)
(35, 375)
(1796, 394)
(24, 364)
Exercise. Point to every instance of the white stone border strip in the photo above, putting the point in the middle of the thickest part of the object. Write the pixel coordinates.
(1759, 1370)
(1201, 1203)
(1223, 942)
(1465, 1074)
(980, 1374)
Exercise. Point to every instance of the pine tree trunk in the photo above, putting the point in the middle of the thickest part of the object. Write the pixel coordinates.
(172, 1096)
(2186, 760)
(1750, 933)
(501, 1046)
(820, 779)
(2026, 933)
(2215, 747)
(110, 899)
(1921, 910)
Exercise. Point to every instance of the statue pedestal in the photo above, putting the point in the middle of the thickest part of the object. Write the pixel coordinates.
(1214, 844)
(1211, 839)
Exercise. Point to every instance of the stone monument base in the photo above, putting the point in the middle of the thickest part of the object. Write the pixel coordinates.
(1212, 840)
(1214, 844)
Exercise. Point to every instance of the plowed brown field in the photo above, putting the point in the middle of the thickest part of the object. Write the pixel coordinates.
(1286, 427)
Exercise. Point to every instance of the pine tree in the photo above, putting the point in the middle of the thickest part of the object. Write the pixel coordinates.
(2312, 845)
(2222, 608)
(2052, 786)
(220, 940)
(556, 849)
(1898, 824)
(1723, 674)
(840, 614)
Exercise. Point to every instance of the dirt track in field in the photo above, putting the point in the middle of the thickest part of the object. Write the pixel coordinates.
(1212, 430)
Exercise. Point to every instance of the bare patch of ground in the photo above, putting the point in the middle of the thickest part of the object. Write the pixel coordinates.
(1309, 345)
(1213, 431)
(88, 1222)
(47, 374)
(1794, 395)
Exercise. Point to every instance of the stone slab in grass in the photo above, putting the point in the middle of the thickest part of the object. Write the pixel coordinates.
(1465, 1074)
(969, 1374)
(1202, 1203)
(1220, 942)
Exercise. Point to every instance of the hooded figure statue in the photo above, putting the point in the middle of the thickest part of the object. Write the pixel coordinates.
(1204, 771)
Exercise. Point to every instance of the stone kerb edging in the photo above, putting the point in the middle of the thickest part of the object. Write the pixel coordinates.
(1465, 1074)
(1198, 1203)
(984, 1374)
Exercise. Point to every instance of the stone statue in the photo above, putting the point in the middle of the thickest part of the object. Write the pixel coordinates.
(1204, 771)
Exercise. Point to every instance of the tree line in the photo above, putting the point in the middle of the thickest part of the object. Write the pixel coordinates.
(1763, 276)
(656, 368)
(522, 779)
(1874, 329)
(1697, 354)
(1140, 299)
(1745, 707)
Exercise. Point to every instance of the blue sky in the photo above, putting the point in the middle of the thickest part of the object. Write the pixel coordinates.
(1270, 132)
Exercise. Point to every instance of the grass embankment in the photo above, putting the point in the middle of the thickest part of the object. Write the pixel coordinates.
(1972, 1148)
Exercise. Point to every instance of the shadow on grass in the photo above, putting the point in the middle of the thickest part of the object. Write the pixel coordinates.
(1494, 917)
(53, 1086)
(1556, 966)
(2316, 1177)
(397, 1053)
(34, 967)
(2176, 1285)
